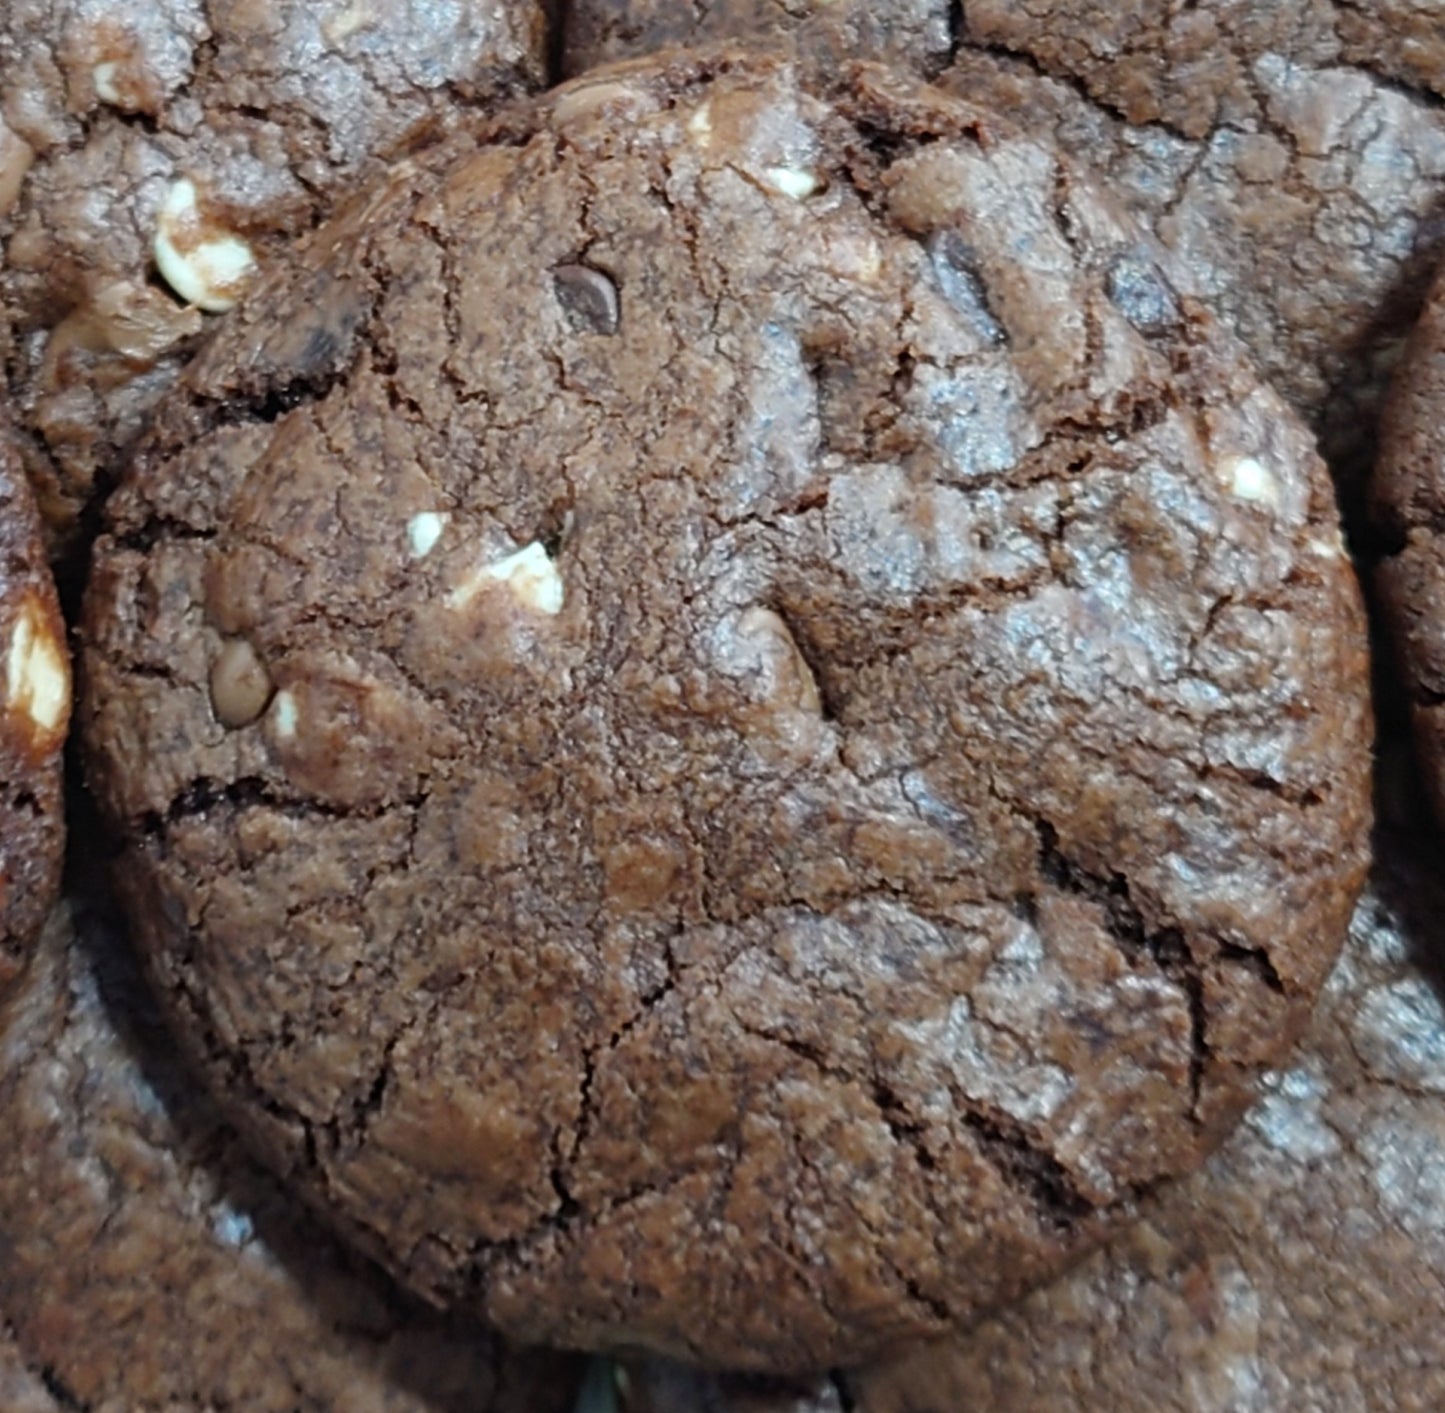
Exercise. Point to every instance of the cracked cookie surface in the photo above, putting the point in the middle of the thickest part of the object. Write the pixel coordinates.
(912, 32)
(147, 1265)
(734, 722)
(1289, 157)
(1409, 502)
(111, 110)
(34, 719)
(1302, 1268)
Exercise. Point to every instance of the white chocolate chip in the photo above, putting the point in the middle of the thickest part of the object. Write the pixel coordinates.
(103, 78)
(1331, 548)
(37, 676)
(795, 182)
(351, 20)
(529, 573)
(240, 687)
(767, 653)
(423, 531)
(206, 268)
(1249, 479)
(283, 712)
(700, 125)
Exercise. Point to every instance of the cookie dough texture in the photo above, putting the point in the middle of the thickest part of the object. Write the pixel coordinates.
(34, 717)
(1409, 502)
(146, 1264)
(1302, 1269)
(786, 792)
(1274, 151)
(909, 32)
(111, 109)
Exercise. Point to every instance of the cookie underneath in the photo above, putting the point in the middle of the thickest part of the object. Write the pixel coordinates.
(34, 718)
(150, 1265)
(155, 155)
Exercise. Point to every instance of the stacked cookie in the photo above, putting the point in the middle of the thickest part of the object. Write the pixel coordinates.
(731, 717)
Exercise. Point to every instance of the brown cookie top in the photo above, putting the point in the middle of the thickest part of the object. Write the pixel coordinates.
(1290, 158)
(34, 718)
(1194, 68)
(1301, 1268)
(734, 723)
(146, 1264)
(1409, 503)
(152, 155)
(1298, 193)
(912, 32)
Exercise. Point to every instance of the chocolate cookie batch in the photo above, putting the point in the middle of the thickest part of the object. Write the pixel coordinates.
(726, 725)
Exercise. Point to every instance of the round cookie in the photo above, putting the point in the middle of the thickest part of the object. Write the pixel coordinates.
(734, 724)
(152, 155)
(1409, 502)
(34, 717)
(1308, 223)
(147, 1265)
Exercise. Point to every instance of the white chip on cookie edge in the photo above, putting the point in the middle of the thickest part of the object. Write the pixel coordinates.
(37, 677)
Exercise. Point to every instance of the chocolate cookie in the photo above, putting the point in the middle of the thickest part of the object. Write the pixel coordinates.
(146, 1264)
(913, 32)
(1409, 496)
(1273, 151)
(33, 724)
(1299, 194)
(154, 155)
(1194, 68)
(734, 722)
(1302, 1268)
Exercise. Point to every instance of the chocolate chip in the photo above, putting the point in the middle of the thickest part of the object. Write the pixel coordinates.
(588, 298)
(240, 687)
